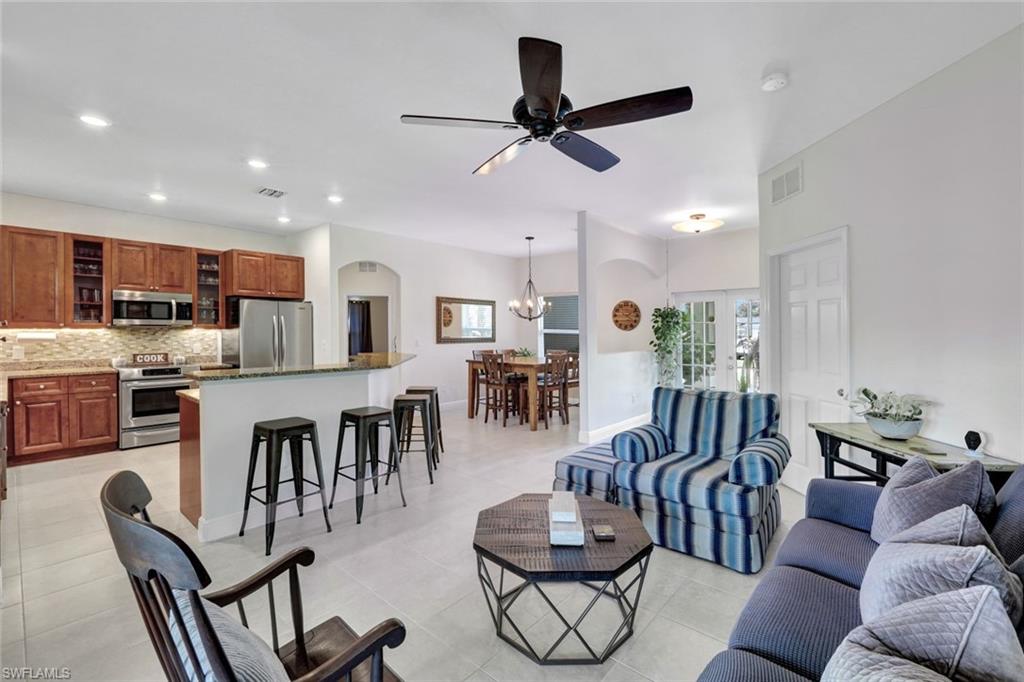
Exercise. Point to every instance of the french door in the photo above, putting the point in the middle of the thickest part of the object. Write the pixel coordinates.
(721, 339)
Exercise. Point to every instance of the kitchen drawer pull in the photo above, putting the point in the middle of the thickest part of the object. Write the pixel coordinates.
(42, 386)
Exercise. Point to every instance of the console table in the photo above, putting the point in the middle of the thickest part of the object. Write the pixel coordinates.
(943, 456)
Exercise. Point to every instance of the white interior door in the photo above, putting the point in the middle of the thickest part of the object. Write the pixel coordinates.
(813, 350)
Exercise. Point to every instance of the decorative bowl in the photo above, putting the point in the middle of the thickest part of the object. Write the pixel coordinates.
(892, 430)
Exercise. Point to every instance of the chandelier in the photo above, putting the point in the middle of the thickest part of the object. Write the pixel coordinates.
(530, 305)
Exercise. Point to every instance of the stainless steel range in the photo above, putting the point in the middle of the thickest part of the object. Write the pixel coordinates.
(149, 405)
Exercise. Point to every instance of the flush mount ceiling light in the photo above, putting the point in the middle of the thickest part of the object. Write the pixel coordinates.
(157, 196)
(530, 305)
(94, 121)
(774, 81)
(283, 219)
(258, 164)
(335, 199)
(698, 223)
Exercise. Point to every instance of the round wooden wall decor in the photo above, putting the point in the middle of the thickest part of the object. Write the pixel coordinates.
(446, 316)
(626, 315)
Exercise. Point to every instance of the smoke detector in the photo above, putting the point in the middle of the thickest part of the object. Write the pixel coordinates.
(774, 81)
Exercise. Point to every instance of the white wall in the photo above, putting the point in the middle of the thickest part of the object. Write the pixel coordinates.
(615, 387)
(314, 246)
(427, 270)
(713, 261)
(930, 184)
(50, 214)
(384, 282)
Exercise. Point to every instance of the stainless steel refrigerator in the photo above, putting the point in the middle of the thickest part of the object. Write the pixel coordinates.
(275, 334)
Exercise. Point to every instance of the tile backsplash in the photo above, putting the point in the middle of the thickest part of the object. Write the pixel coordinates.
(100, 346)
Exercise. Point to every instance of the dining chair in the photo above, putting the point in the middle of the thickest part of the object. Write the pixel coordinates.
(551, 389)
(572, 378)
(195, 638)
(481, 374)
(499, 387)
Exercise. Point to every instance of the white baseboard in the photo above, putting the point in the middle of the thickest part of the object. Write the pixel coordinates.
(228, 525)
(606, 432)
(453, 403)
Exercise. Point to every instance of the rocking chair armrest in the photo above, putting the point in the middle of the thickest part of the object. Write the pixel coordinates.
(300, 556)
(389, 633)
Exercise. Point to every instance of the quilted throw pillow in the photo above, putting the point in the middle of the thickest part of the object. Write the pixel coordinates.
(961, 635)
(917, 492)
(947, 552)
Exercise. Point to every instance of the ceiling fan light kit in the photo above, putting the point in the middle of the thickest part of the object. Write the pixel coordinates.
(544, 109)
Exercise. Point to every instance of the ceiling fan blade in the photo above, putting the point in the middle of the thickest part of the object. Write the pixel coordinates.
(540, 67)
(459, 122)
(589, 153)
(631, 109)
(504, 156)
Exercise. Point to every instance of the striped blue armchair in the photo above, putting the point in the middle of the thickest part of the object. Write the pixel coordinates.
(701, 476)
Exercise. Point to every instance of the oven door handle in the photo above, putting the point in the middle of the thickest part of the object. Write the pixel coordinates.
(151, 383)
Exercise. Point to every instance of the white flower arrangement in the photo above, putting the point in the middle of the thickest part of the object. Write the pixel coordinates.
(891, 406)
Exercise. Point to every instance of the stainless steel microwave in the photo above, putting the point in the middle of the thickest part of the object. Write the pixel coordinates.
(151, 308)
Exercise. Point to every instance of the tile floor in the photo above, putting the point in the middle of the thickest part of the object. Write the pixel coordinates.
(67, 601)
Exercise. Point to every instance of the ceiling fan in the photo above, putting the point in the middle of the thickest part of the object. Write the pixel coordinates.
(544, 109)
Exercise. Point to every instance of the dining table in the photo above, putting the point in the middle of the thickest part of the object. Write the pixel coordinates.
(530, 366)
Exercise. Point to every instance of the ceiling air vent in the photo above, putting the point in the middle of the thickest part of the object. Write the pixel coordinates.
(788, 183)
(271, 192)
(367, 266)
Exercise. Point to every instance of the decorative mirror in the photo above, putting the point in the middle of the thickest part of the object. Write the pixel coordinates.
(464, 320)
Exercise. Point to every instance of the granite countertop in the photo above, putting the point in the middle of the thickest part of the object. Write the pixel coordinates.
(189, 394)
(78, 370)
(361, 363)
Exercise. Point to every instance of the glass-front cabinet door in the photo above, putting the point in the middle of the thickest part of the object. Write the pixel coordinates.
(721, 339)
(86, 290)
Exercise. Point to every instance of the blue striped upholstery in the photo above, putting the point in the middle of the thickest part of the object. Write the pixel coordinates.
(695, 480)
(741, 552)
(643, 444)
(716, 423)
(760, 462)
(588, 472)
(729, 523)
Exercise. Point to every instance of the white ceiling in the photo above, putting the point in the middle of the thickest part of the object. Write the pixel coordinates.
(193, 90)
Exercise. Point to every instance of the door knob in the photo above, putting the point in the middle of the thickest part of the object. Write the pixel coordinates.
(841, 392)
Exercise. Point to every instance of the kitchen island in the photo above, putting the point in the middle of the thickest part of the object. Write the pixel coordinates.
(217, 421)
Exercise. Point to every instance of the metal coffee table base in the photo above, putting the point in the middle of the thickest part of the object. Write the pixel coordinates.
(500, 601)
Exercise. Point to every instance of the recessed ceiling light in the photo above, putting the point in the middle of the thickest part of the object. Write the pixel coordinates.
(774, 81)
(94, 121)
(335, 199)
(257, 163)
(698, 223)
(283, 219)
(157, 196)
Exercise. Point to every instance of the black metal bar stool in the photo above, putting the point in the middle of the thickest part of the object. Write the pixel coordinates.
(367, 422)
(294, 430)
(405, 407)
(435, 414)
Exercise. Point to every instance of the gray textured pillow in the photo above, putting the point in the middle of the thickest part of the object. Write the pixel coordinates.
(899, 573)
(962, 635)
(917, 492)
(959, 526)
(249, 656)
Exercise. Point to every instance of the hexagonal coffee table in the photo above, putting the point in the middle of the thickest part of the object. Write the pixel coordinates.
(513, 536)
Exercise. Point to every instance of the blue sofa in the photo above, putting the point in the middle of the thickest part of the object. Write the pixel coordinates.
(809, 600)
(701, 476)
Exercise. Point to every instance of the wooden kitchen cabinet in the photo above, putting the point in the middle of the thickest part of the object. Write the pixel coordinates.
(32, 277)
(287, 277)
(246, 273)
(40, 424)
(92, 410)
(263, 275)
(86, 281)
(143, 266)
(132, 265)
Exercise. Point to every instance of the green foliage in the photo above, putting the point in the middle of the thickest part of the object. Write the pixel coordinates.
(891, 406)
(522, 352)
(670, 326)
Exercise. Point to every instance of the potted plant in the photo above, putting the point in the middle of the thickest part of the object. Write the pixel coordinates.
(522, 352)
(668, 326)
(890, 415)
